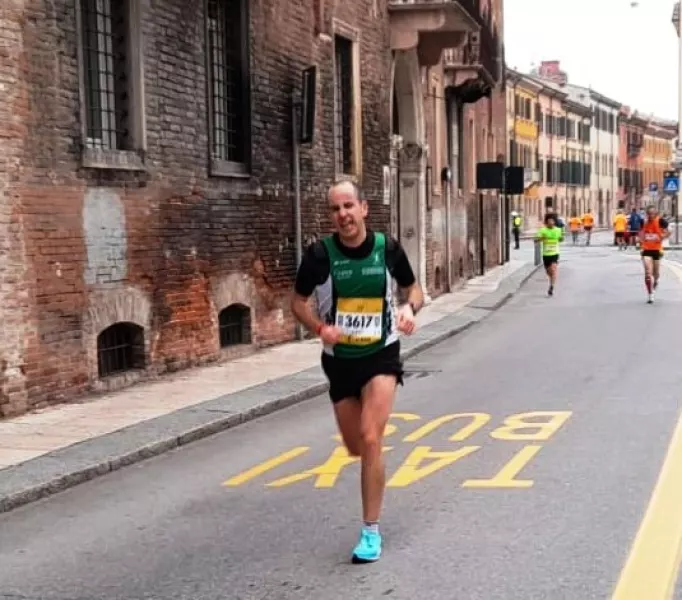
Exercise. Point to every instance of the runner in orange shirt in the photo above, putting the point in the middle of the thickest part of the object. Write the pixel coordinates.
(588, 224)
(620, 226)
(651, 237)
(575, 224)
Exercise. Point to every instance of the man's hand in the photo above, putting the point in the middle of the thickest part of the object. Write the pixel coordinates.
(330, 334)
(406, 321)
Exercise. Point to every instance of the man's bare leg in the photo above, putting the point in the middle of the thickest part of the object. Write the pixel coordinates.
(348, 414)
(377, 404)
(647, 261)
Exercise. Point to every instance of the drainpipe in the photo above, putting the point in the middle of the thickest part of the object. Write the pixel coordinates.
(298, 229)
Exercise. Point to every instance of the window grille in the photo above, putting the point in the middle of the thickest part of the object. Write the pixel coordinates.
(227, 52)
(343, 102)
(120, 348)
(234, 323)
(105, 51)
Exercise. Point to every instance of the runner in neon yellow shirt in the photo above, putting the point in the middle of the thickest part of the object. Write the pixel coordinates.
(550, 236)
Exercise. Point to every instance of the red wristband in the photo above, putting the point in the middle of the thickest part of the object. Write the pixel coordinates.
(319, 328)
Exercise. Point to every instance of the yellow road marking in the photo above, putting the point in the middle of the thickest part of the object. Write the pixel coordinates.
(651, 569)
(266, 466)
(505, 478)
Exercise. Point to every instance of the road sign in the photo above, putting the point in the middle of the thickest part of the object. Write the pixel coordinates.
(653, 187)
(671, 185)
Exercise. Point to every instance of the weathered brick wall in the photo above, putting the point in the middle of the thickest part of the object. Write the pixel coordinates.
(170, 247)
(14, 300)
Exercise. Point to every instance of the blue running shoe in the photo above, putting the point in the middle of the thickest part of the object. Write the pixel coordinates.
(369, 547)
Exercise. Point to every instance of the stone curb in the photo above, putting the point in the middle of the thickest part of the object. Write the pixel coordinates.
(67, 467)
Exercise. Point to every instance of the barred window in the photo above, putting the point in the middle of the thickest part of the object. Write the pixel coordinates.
(343, 103)
(120, 348)
(106, 45)
(234, 323)
(229, 81)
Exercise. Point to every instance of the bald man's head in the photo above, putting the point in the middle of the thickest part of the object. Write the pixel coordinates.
(348, 211)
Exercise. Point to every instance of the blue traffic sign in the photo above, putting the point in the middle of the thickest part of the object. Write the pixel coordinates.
(671, 185)
(653, 187)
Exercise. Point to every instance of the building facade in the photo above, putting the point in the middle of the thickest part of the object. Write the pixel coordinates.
(148, 206)
(523, 125)
(605, 150)
(631, 169)
(448, 114)
(576, 167)
(657, 158)
(149, 201)
(551, 147)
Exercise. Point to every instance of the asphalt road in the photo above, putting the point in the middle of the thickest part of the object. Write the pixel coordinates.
(501, 511)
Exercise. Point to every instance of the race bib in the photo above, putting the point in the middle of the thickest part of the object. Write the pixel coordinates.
(651, 237)
(360, 320)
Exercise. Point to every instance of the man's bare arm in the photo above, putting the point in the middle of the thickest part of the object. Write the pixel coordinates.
(414, 295)
(300, 307)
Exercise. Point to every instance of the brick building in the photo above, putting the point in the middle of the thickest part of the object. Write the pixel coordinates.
(148, 196)
(147, 207)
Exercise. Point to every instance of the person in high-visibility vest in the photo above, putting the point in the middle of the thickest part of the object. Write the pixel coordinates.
(574, 224)
(588, 224)
(517, 221)
(550, 236)
(651, 236)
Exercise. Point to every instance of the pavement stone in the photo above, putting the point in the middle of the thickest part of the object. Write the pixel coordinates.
(69, 466)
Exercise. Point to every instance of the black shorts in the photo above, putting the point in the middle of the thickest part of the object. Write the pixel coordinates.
(655, 254)
(550, 260)
(620, 235)
(347, 376)
(588, 227)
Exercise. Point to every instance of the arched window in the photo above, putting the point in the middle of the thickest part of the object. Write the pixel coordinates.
(120, 348)
(234, 323)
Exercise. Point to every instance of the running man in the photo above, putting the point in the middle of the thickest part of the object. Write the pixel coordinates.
(635, 223)
(651, 236)
(620, 226)
(574, 224)
(351, 274)
(550, 236)
(588, 224)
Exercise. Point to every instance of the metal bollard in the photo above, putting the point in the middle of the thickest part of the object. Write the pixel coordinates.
(538, 253)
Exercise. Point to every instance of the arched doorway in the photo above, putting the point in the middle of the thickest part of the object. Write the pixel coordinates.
(409, 161)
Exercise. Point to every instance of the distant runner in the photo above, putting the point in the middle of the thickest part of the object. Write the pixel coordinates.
(588, 224)
(550, 236)
(654, 231)
(574, 224)
(635, 223)
(351, 274)
(620, 226)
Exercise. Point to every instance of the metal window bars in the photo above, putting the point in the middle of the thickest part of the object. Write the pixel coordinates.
(343, 104)
(120, 348)
(105, 47)
(226, 55)
(234, 324)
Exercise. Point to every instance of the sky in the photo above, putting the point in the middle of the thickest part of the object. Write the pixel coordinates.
(626, 53)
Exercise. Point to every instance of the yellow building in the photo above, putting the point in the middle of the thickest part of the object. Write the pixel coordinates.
(657, 152)
(523, 115)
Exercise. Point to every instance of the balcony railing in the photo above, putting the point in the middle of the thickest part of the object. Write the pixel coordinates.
(481, 49)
